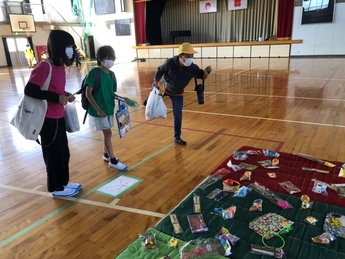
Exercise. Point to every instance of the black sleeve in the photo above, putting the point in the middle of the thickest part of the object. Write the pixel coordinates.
(34, 91)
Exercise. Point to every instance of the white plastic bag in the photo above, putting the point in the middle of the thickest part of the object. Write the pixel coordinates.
(155, 107)
(71, 117)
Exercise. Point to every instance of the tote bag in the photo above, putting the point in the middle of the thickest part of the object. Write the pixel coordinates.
(31, 112)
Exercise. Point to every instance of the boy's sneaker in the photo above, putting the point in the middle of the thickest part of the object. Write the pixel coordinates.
(180, 141)
(66, 192)
(119, 166)
(76, 186)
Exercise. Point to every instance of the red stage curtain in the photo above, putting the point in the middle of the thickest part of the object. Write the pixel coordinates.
(139, 12)
(285, 18)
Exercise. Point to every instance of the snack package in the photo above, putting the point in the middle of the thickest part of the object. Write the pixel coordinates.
(148, 241)
(174, 221)
(196, 203)
(310, 220)
(246, 176)
(324, 238)
(242, 192)
(257, 205)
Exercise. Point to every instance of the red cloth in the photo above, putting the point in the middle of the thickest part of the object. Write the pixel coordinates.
(290, 169)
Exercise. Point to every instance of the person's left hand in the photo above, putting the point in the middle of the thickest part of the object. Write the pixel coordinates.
(208, 70)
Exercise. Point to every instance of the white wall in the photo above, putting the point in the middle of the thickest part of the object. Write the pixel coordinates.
(321, 38)
(103, 30)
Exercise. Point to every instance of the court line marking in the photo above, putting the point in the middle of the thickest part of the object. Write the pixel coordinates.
(81, 200)
(268, 119)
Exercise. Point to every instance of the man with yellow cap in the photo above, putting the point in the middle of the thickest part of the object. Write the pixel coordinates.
(175, 73)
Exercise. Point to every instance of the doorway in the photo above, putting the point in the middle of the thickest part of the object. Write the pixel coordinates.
(14, 50)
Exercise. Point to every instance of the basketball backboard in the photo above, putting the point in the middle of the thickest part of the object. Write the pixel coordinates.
(22, 23)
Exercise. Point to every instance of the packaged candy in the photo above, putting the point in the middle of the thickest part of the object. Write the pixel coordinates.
(148, 241)
(310, 220)
(324, 238)
(320, 187)
(257, 205)
(228, 213)
(246, 176)
(270, 153)
(242, 192)
(240, 155)
(196, 203)
(173, 242)
(176, 225)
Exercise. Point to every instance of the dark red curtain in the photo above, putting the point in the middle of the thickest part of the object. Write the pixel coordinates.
(139, 12)
(285, 18)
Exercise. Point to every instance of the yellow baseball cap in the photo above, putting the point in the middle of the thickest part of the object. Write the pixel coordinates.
(186, 48)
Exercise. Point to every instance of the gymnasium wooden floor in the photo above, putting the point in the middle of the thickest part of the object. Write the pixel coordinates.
(290, 105)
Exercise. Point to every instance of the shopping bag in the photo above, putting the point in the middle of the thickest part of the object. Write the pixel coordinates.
(155, 107)
(30, 113)
(71, 117)
(123, 119)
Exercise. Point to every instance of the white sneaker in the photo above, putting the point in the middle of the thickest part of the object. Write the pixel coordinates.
(66, 192)
(76, 186)
(119, 166)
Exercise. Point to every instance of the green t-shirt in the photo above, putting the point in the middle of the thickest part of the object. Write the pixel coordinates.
(105, 94)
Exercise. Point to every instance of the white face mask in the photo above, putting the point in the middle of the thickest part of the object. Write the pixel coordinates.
(188, 62)
(108, 63)
(69, 52)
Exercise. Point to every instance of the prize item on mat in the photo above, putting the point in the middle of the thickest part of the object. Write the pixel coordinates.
(306, 203)
(176, 225)
(202, 247)
(148, 241)
(247, 166)
(335, 224)
(71, 117)
(242, 192)
(197, 223)
(342, 172)
(155, 107)
(129, 102)
(213, 194)
(268, 164)
(315, 170)
(246, 176)
(328, 164)
(196, 203)
(173, 242)
(230, 185)
(232, 238)
(220, 196)
(320, 187)
(324, 238)
(270, 251)
(257, 205)
(310, 220)
(123, 119)
(226, 244)
(268, 194)
(240, 155)
(31, 112)
(228, 213)
(270, 153)
(290, 187)
(213, 178)
(270, 224)
(235, 168)
(272, 175)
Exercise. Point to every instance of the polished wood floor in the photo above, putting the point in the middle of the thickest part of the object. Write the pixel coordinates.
(290, 105)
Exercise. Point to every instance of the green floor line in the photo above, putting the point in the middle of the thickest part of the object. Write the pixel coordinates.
(57, 211)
